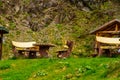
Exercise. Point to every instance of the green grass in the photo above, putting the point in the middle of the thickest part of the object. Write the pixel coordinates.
(61, 69)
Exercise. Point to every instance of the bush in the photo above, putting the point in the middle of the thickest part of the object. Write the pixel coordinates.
(4, 66)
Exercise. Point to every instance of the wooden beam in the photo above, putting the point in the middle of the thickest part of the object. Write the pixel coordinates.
(1, 46)
(109, 47)
(97, 34)
(112, 32)
(116, 28)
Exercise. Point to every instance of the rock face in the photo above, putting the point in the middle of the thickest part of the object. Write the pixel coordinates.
(37, 14)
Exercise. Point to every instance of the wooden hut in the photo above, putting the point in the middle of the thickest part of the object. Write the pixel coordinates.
(107, 37)
(3, 30)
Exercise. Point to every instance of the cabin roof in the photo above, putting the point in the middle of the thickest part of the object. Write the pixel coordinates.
(3, 30)
(108, 24)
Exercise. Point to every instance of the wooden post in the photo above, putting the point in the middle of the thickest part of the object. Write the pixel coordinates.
(1, 46)
(99, 49)
(116, 28)
(96, 47)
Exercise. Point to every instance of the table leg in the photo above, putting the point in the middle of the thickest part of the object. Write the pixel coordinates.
(32, 54)
(43, 51)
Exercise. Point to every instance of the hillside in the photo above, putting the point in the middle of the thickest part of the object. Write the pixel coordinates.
(55, 21)
(56, 69)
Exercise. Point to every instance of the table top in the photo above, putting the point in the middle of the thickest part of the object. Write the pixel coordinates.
(44, 45)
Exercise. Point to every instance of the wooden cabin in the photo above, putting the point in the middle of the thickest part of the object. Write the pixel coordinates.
(107, 37)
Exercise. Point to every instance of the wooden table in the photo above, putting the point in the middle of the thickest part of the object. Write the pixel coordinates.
(44, 48)
(30, 53)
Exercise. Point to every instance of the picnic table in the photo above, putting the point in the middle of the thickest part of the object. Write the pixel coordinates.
(23, 48)
(44, 48)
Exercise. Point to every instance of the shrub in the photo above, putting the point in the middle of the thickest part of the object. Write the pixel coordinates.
(40, 73)
(4, 66)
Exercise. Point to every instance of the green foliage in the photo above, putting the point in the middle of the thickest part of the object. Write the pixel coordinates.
(63, 64)
(111, 68)
(59, 69)
(29, 32)
(40, 73)
(83, 69)
(5, 66)
(106, 5)
(2, 22)
(1, 3)
(59, 25)
(12, 25)
(26, 2)
(17, 32)
(116, 1)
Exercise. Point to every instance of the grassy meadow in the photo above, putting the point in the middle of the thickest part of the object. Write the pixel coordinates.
(61, 69)
(21, 23)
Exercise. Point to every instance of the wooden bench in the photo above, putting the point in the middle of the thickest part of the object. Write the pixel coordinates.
(23, 48)
(64, 53)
